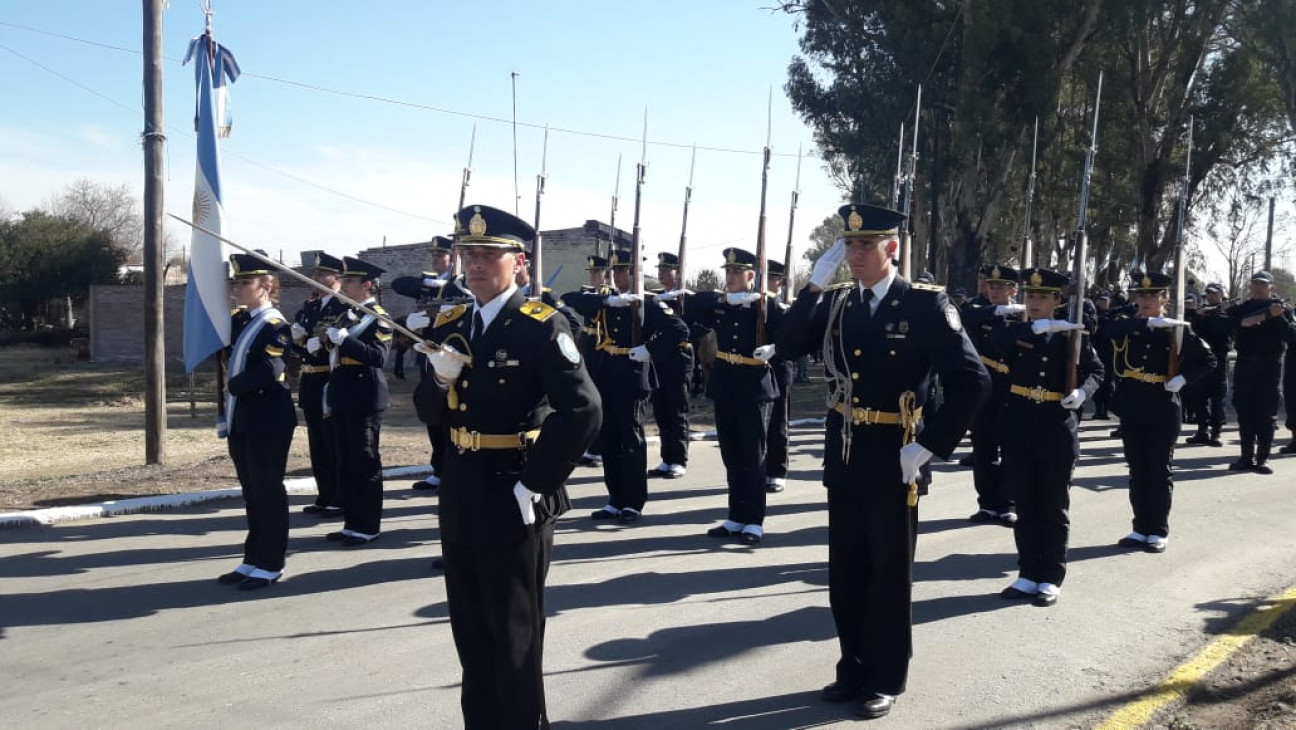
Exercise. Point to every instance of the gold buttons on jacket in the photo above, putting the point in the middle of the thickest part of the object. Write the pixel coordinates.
(858, 352)
(854, 376)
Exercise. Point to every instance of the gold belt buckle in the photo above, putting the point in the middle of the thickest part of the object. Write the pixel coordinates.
(1037, 394)
(864, 416)
(469, 440)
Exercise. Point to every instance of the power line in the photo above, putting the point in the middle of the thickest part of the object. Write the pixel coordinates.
(417, 105)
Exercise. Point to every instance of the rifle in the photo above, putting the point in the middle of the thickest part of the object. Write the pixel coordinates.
(762, 262)
(1082, 251)
(636, 240)
(906, 232)
(688, 198)
(785, 295)
(1180, 274)
(899, 176)
(616, 196)
(463, 194)
(1028, 253)
(537, 269)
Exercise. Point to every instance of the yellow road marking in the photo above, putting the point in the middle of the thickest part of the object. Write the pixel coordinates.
(1140, 712)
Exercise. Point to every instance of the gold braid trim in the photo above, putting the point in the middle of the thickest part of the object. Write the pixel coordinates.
(909, 422)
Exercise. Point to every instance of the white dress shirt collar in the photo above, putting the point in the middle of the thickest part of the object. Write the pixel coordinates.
(493, 307)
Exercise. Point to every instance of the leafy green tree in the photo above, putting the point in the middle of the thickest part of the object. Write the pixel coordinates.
(706, 280)
(45, 257)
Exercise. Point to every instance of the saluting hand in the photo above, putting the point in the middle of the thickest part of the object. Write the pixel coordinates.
(825, 269)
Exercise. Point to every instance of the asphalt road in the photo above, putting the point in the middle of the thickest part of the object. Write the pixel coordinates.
(119, 623)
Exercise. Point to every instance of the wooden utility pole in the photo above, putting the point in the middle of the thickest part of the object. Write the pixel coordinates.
(1269, 238)
(154, 142)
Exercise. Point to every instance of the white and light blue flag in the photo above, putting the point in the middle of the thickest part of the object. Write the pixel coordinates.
(207, 319)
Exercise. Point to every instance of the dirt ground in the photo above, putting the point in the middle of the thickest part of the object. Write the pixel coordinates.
(74, 433)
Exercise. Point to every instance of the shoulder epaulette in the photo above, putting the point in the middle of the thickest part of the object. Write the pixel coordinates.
(236, 310)
(920, 286)
(843, 285)
(378, 308)
(539, 311)
(446, 316)
(276, 320)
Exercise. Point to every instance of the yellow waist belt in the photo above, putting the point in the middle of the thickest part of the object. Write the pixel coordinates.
(590, 330)
(1142, 377)
(466, 440)
(995, 365)
(613, 349)
(1037, 394)
(349, 361)
(872, 417)
(733, 359)
(314, 369)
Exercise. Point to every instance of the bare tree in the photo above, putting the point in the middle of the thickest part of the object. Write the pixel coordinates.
(1238, 235)
(100, 206)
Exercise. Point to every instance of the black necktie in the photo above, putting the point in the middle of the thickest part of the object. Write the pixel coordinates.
(866, 298)
(479, 325)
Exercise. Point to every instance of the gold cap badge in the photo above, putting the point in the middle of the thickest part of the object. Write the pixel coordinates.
(1036, 279)
(1147, 282)
(477, 226)
(994, 274)
(854, 222)
(732, 258)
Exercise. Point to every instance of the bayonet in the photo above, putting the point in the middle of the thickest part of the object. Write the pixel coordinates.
(788, 279)
(1180, 282)
(463, 195)
(898, 183)
(688, 198)
(762, 255)
(1028, 252)
(1082, 251)
(537, 267)
(911, 173)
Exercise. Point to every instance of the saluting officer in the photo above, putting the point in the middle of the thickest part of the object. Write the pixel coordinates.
(260, 420)
(310, 388)
(1151, 375)
(886, 339)
(357, 397)
(784, 370)
(742, 385)
(627, 325)
(1038, 421)
(674, 367)
(1213, 326)
(431, 289)
(520, 407)
(994, 497)
(1262, 326)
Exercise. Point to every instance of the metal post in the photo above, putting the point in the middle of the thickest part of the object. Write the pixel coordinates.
(154, 140)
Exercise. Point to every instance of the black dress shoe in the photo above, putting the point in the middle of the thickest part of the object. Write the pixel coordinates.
(1155, 547)
(1116, 433)
(841, 692)
(1243, 464)
(749, 538)
(1015, 594)
(422, 485)
(628, 516)
(231, 578)
(1131, 542)
(335, 536)
(1289, 448)
(356, 540)
(966, 461)
(331, 513)
(1044, 600)
(312, 509)
(602, 514)
(1198, 438)
(774, 488)
(720, 531)
(1262, 469)
(252, 584)
(874, 708)
(1215, 441)
(982, 516)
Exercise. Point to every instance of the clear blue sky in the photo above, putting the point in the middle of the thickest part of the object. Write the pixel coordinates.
(703, 70)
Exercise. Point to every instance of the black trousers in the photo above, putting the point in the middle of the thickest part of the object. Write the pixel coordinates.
(740, 429)
(320, 438)
(871, 534)
(776, 436)
(496, 597)
(1149, 449)
(1289, 389)
(260, 460)
(1256, 400)
(1039, 456)
(359, 470)
(987, 470)
(1208, 401)
(625, 454)
(439, 438)
(670, 406)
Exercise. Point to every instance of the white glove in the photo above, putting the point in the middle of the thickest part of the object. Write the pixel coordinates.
(742, 299)
(526, 501)
(1041, 326)
(1074, 400)
(623, 300)
(672, 295)
(640, 354)
(1175, 384)
(336, 335)
(825, 269)
(417, 320)
(764, 353)
(313, 345)
(1007, 310)
(446, 361)
(434, 283)
(1159, 322)
(912, 457)
(298, 332)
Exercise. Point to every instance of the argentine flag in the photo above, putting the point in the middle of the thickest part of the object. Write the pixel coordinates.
(207, 306)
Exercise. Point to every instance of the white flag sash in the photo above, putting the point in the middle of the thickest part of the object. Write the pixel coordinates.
(238, 357)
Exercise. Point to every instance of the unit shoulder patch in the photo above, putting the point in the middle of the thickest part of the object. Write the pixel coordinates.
(568, 348)
(952, 318)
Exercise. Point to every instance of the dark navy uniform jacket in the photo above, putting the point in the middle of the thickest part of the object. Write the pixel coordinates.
(735, 328)
(357, 384)
(617, 328)
(1141, 364)
(915, 335)
(310, 390)
(1041, 361)
(264, 402)
(1266, 340)
(526, 373)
